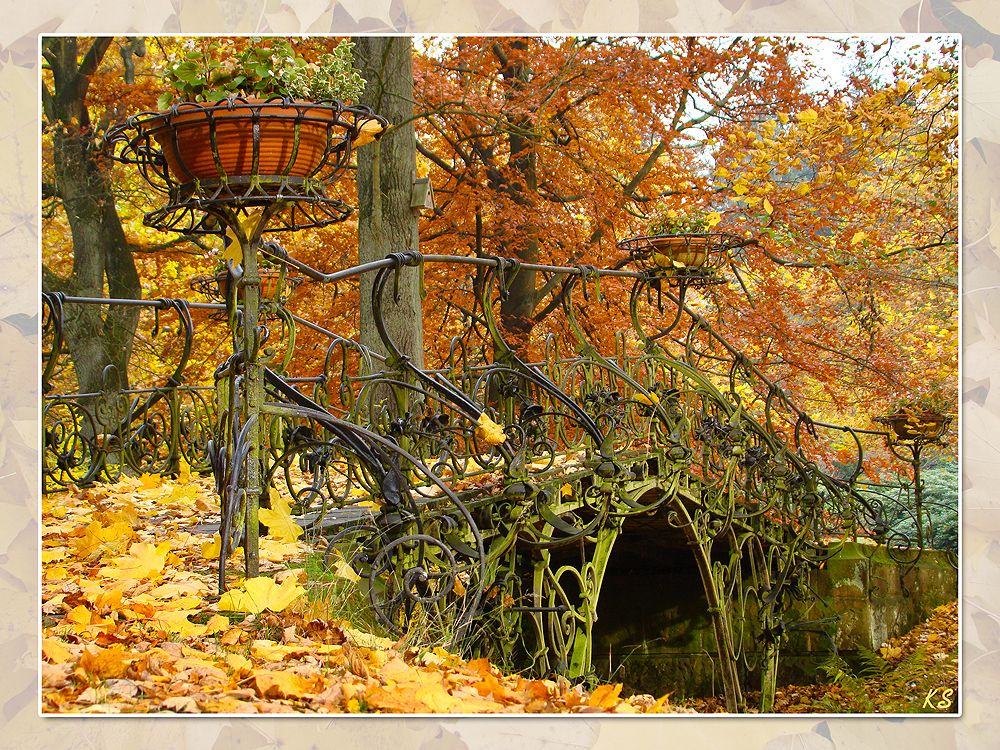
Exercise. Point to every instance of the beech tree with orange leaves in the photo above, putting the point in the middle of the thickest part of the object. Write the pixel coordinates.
(549, 149)
(844, 188)
(852, 281)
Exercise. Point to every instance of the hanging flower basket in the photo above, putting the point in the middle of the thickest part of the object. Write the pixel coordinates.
(681, 258)
(915, 425)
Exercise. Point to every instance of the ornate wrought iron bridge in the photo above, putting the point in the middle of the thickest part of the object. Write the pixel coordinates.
(482, 494)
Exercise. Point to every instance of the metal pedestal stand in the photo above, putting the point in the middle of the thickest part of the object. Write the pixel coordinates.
(291, 151)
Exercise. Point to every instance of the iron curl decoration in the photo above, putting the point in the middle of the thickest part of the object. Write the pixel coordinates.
(95, 436)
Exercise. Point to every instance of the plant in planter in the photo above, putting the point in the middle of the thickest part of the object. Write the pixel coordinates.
(921, 414)
(263, 112)
(216, 71)
(680, 240)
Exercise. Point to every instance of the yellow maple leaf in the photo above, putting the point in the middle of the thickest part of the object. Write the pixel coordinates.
(649, 400)
(150, 481)
(395, 699)
(216, 624)
(125, 513)
(183, 471)
(184, 602)
(99, 540)
(437, 699)
(185, 494)
(55, 651)
(257, 594)
(144, 560)
(277, 551)
(605, 696)
(233, 251)
(660, 703)
(210, 550)
(279, 502)
(56, 511)
(55, 574)
(342, 569)
(105, 663)
(280, 524)
(240, 665)
(53, 554)
(369, 129)
(363, 639)
(269, 650)
(626, 708)
(176, 621)
(108, 599)
(489, 431)
(480, 666)
(284, 684)
(177, 589)
(491, 687)
(858, 236)
(79, 615)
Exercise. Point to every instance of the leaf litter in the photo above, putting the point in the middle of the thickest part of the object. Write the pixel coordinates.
(132, 623)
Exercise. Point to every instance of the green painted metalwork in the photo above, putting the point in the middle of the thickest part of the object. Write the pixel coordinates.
(500, 550)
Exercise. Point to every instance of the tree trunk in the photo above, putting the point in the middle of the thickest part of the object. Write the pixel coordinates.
(100, 249)
(386, 171)
(517, 309)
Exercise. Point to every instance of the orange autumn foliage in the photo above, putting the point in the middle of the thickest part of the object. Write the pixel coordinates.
(552, 149)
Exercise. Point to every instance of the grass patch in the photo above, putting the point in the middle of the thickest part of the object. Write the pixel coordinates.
(332, 595)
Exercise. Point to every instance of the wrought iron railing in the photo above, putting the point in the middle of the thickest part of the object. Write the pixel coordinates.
(447, 522)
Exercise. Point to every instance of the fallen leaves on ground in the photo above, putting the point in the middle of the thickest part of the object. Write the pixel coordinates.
(257, 594)
(132, 623)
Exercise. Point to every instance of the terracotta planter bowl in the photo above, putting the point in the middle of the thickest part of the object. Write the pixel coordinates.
(292, 141)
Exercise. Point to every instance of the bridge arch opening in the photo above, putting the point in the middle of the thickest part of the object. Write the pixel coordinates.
(653, 630)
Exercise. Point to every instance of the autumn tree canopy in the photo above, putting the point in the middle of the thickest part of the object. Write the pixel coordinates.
(834, 161)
